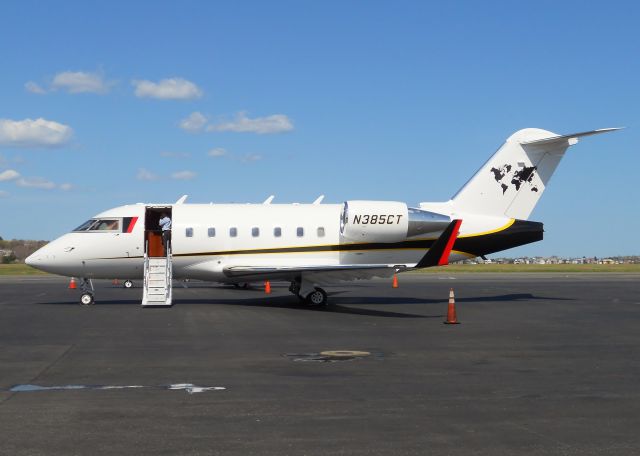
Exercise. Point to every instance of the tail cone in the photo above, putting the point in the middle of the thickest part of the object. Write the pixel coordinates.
(72, 284)
(267, 287)
(452, 319)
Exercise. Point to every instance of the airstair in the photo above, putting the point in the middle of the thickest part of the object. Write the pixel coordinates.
(157, 280)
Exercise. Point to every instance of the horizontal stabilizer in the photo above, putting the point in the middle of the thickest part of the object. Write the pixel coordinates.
(438, 254)
(561, 138)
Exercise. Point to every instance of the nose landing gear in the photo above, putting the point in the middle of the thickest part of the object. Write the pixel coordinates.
(87, 296)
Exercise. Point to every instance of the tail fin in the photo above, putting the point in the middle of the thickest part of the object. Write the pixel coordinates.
(511, 182)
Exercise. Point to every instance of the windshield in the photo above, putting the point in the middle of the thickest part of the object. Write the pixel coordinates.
(106, 224)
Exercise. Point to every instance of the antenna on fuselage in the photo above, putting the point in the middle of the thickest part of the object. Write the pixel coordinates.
(268, 200)
(318, 200)
(182, 199)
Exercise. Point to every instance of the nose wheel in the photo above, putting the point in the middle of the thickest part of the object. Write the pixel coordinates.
(86, 299)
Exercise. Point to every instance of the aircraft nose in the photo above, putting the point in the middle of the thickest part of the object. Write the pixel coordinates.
(41, 258)
(31, 260)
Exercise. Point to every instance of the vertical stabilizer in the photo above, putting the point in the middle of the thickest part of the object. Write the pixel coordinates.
(512, 181)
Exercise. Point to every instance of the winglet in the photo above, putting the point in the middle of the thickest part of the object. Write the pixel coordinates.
(438, 254)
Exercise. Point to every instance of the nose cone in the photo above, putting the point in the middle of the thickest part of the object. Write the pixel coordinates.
(40, 259)
(31, 260)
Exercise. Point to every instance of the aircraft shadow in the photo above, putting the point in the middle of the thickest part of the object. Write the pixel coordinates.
(339, 304)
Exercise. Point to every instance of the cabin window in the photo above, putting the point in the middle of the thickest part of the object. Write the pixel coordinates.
(299, 231)
(255, 231)
(277, 231)
(188, 232)
(233, 232)
(321, 231)
(211, 232)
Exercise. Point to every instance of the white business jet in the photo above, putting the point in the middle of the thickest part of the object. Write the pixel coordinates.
(311, 245)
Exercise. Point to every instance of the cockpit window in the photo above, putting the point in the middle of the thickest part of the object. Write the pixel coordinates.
(111, 224)
(86, 225)
(106, 225)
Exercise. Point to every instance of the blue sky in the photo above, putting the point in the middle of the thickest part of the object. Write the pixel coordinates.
(355, 100)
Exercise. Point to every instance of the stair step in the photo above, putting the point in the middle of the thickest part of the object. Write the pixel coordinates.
(158, 284)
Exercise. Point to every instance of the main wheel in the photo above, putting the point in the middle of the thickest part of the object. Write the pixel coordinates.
(86, 299)
(317, 297)
(128, 284)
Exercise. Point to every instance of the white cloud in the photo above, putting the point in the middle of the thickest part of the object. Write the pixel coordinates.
(145, 175)
(9, 174)
(167, 89)
(195, 122)
(33, 133)
(35, 182)
(183, 175)
(34, 88)
(169, 154)
(217, 152)
(248, 158)
(276, 123)
(80, 82)
(3, 194)
(66, 186)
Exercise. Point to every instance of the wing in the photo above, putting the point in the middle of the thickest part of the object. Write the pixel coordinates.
(324, 273)
(437, 255)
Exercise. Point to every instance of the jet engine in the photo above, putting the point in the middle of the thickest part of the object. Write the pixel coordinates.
(387, 221)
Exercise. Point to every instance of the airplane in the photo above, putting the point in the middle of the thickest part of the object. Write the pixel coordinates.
(313, 245)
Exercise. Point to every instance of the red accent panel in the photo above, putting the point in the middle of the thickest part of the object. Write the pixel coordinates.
(132, 224)
(444, 259)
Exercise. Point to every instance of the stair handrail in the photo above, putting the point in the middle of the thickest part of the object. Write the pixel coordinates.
(146, 267)
(168, 272)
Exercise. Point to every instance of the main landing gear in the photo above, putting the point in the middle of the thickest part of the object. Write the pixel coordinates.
(86, 298)
(307, 292)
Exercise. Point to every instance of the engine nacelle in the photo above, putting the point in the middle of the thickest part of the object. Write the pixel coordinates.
(374, 221)
(387, 221)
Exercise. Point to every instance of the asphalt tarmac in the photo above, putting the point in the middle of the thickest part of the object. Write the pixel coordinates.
(542, 364)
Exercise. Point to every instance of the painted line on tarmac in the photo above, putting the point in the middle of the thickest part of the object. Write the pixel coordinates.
(188, 387)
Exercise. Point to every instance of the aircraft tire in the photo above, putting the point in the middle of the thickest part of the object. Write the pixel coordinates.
(317, 298)
(86, 299)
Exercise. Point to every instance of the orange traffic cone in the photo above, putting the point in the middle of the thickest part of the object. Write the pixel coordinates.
(452, 319)
(115, 282)
(394, 284)
(72, 284)
(267, 287)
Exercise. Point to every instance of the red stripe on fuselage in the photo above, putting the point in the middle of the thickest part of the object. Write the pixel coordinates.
(132, 224)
